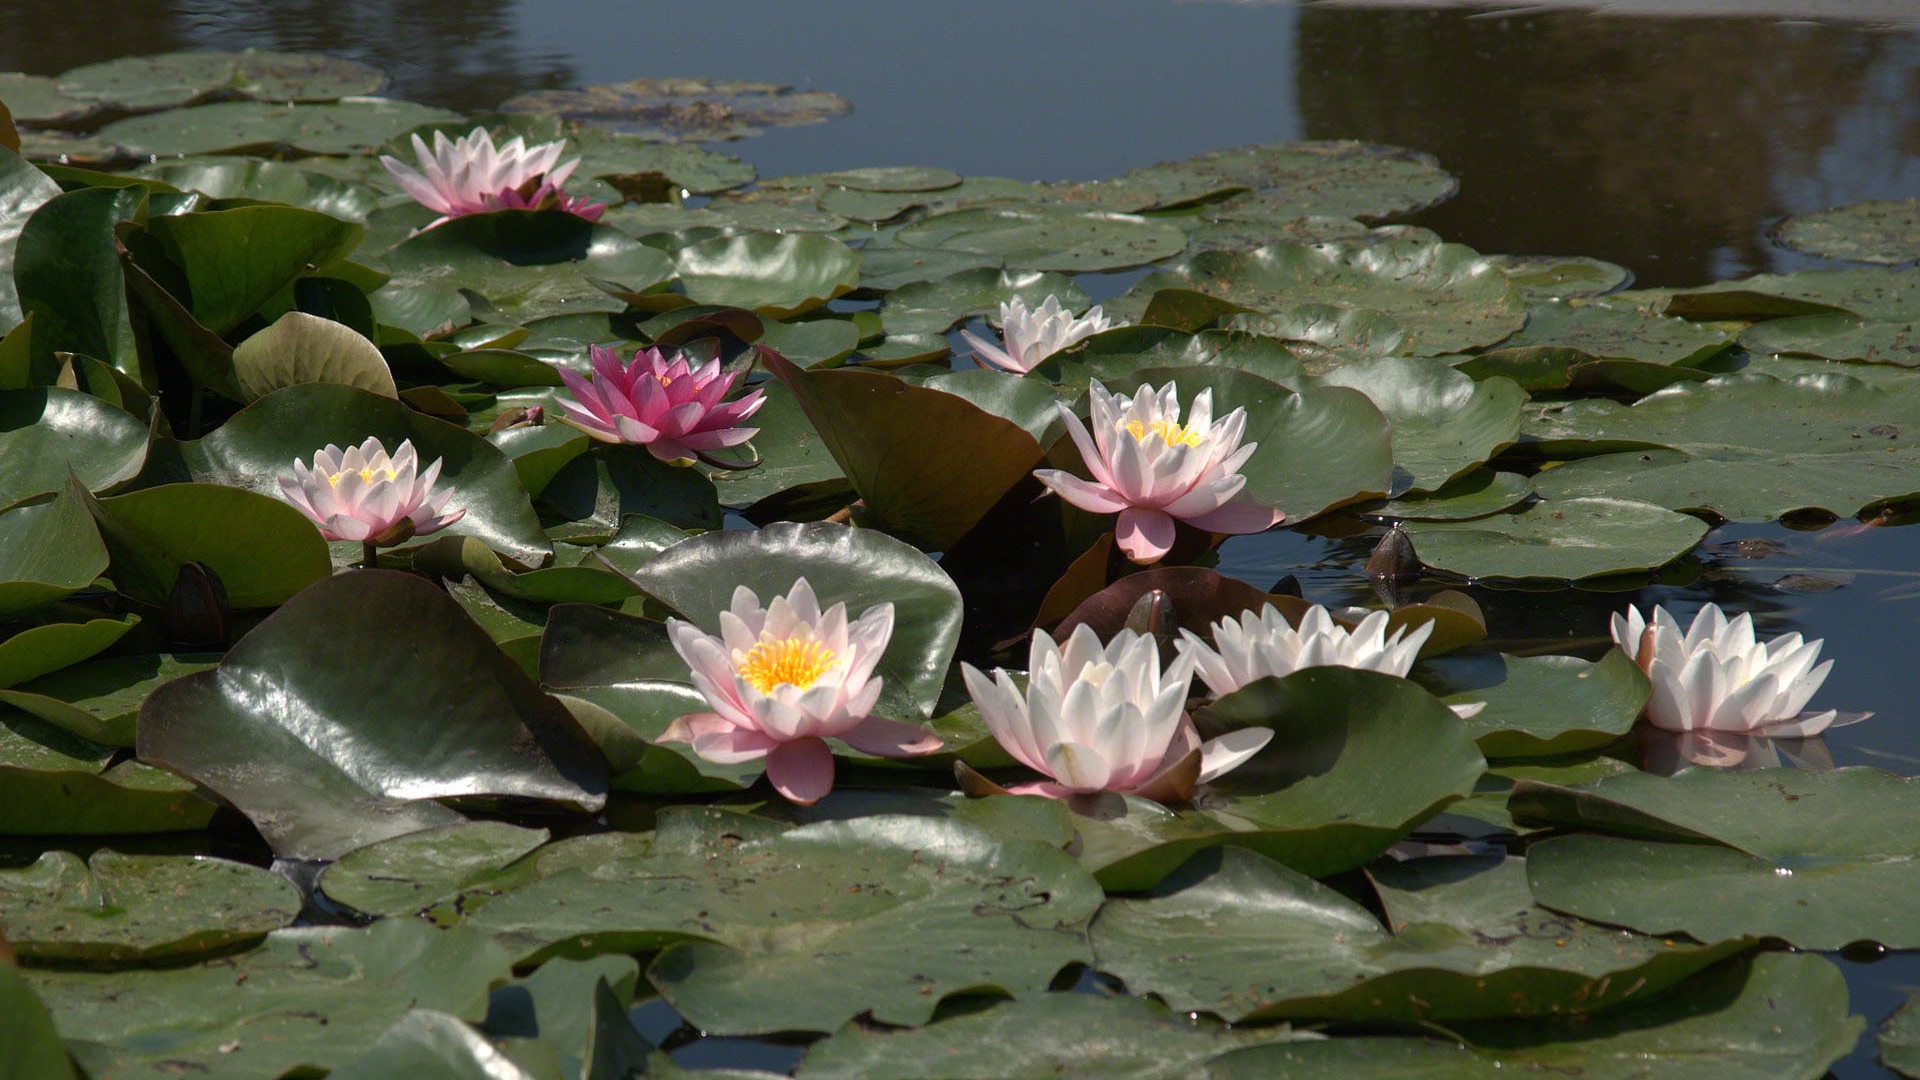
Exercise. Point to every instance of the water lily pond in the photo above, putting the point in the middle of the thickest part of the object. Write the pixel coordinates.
(542, 565)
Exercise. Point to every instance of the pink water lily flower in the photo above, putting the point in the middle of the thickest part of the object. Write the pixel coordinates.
(362, 495)
(1152, 469)
(469, 175)
(678, 412)
(1103, 717)
(785, 677)
(1032, 336)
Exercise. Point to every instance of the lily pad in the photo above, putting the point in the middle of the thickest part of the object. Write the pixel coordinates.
(1565, 539)
(68, 277)
(39, 650)
(348, 126)
(121, 909)
(1071, 241)
(1876, 293)
(1836, 337)
(935, 306)
(262, 549)
(683, 110)
(33, 1045)
(62, 786)
(1761, 842)
(1475, 494)
(99, 700)
(36, 99)
(1563, 277)
(296, 726)
(1899, 1039)
(23, 189)
(803, 930)
(310, 998)
(1335, 178)
(776, 275)
(48, 551)
(528, 264)
(1248, 939)
(419, 871)
(223, 177)
(1876, 231)
(1036, 1038)
(1444, 423)
(1446, 297)
(1542, 706)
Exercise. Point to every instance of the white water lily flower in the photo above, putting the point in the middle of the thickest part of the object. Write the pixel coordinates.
(1257, 645)
(363, 495)
(1152, 469)
(1715, 676)
(1032, 336)
(784, 677)
(469, 175)
(1102, 718)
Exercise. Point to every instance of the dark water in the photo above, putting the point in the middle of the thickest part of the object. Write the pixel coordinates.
(1668, 145)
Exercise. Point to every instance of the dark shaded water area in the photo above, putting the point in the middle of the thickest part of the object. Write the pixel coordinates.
(1668, 145)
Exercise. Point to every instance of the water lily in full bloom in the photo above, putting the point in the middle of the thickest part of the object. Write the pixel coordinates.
(1716, 676)
(361, 494)
(1032, 336)
(664, 403)
(1104, 718)
(469, 175)
(784, 677)
(1152, 469)
(1261, 644)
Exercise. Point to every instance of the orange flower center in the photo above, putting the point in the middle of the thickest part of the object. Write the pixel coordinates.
(798, 661)
(1169, 432)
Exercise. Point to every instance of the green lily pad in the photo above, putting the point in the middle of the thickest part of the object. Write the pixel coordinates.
(261, 548)
(1779, 1015)
(23, 189)
(1592, 704)
(1836, 337)
(39, 650)
(120, 909)
(1592, 331)
(1070, 241)
(223, 177)
(36, 99)
(309, 999)
(1444, 423)
(875, 426)
(935, 306)
(858, 566)
(146, 83)
(590, 496)
(528, 264)
(565, 1003)
(1475, 494)
(259, 444)
(774, 274)
(1114, 354)
(1565, 539)
(683, 110)
(349, 126)
(33, 1046)
(1831, 442)
(68, 277)
(1036, 1038)
(1875, 293)
(1312, 799)
(886, 268)
(296, 727)
(894, 178)
(803, 930)
(1484, 813)
(1246, 938)
(1899, 1039)
(694, 169)
(1876, 231)
(235, 260)
(1334, 178)
(1771, 855)
(300, 348)
(427, 1043)
(420, 871)
(48, 551)
(99, 700)
(1562, 277)
(1446, 297)
(61, 785)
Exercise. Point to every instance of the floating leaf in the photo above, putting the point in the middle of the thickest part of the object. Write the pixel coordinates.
(1875, 231)
(1070, 241)
(66, 269)
(48, 551)
(349, 126)
(1478, 493)
(1836, 337)
(1566, 539)
(60, 785)
(417, 871)
(1444, 423)
(99, 700)
(1900, 1041)
(683, 110)
(1562, 277)
(23, 189)
(1876, 293)
(1592, 704)
(38, 650)
(262, 549)
(527, 263)
(120, 909)
(938, 304)
(776, 275)
(1292, 180)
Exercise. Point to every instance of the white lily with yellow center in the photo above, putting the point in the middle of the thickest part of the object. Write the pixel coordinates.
(363, 495)
(1033, 335)
(1153, 469)
(785, 677)
(1102, 717)
(1716, 676)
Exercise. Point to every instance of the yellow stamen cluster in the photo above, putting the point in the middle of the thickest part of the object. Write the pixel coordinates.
(1170, 432)
(798, 661)
(366, 475)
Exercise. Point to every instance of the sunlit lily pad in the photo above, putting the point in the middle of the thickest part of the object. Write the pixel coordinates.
(349, 126)
(1568, 539)
(1562, 277)
(33, 1045)
(1599, 344)
(1476, 494)
(306, 740)
(415, 872)
(1246, 938)
(1876, 293)
(1784, 870)
(116, 908)
(1875, 231)
(528, 264)
(309, 997)
(776, 275)
(1444, 423)
(274, 181)
(98, 700)
(1837, 337)
(1541, 706)
(38, 650)
(61, 785)
(36, 99)
(684, 110)
(23, 189)
(935, 306)
(1036, 1038)
(261, 548)
(1050, 239)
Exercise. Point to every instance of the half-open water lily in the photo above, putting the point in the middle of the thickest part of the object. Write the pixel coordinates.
(1152, 469)
(363, 495)
(785, 677)
(1716, 676)
(470, 175)
(664, 403)
(1032, 336)
(1099, 717)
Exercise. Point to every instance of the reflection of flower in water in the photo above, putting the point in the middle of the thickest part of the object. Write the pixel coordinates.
(1667, 752)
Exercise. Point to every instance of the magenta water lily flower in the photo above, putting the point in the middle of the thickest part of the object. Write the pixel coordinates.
(664, 403)
(1152, 469)
(783, 678)
(470, 175)
(1032, 336)
(362, 495)
(1103, 717)
(1715, 676)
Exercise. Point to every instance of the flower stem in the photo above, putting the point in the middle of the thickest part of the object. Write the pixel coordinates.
(370, 555)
